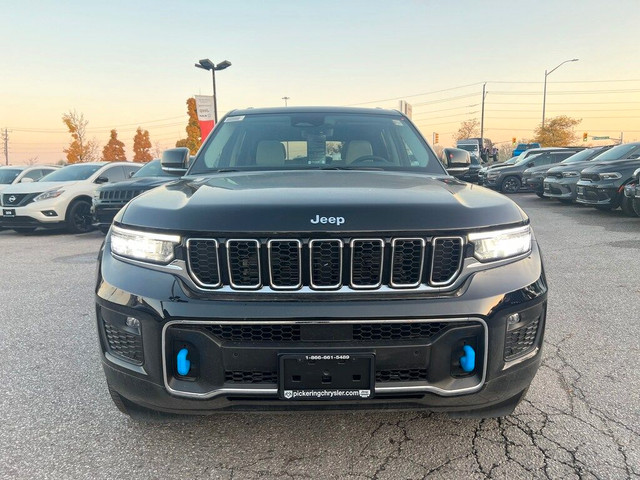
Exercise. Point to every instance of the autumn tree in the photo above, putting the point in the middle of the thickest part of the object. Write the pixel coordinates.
(194, 135)
(468, 129)
(141, 146)
(113, 151)
(80, 149)
(557, 132)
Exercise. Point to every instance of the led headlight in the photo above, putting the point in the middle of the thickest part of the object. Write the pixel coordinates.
(145, 246)
(610, 176)
(500, 244)
(570, 174)
(48, 194)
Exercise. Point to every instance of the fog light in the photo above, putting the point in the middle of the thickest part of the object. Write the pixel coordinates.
(49, 213)
(513, 319)
(132, 322)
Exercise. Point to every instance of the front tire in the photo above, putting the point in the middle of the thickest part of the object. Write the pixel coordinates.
(636, 206)
(79, 219)
(541, 195)
(104, 229)
(627, 207)
(511, 184)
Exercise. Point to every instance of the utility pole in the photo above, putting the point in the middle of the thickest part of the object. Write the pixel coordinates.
(5, 138)
(285, 100)
(484, 95)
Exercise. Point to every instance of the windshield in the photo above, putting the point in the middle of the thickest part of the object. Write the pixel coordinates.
(469, 147)
(527, 159)
(582, 156)
(152, 169)
(72, 173)
(8, 175)
(617, 153)
(315, 140)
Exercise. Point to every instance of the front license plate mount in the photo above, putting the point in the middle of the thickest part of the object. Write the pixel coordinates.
(8, 212)
(326, 376)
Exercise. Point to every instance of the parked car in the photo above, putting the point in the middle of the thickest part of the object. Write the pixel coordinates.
(560, 181)
(533, 178)
(523, 147)
(268, 280)
(632, 191)
(109, 198)
(513, 160)
(472, 145)
(484, 169)
(602, 185)
(61, 199)
(10, 175)
(508, 179)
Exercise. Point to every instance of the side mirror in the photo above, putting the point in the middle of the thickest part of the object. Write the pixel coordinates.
(457, 161)
(530, 164)
(131, 174)
(26, 180)
(175, 160)
(102, 180)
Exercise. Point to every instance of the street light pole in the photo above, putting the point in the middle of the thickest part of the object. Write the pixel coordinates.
(285, 100)
(207, 64)
(544, 96)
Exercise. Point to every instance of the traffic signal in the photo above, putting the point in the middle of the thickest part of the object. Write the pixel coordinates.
(437, 138)
(513, 140)
(584, 136)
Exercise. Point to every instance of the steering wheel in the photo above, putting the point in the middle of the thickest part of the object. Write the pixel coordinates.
(370, 159)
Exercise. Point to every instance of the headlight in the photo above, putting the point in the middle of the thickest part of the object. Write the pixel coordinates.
(501, 244)
(145, 246)
(493, 175)
(96, 194)
(570, 174)
(610, 176)
(49, 194)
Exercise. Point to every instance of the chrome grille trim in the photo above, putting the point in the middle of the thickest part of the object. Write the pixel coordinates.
(273, 284)
(352, 244)
(423, 244)
(312, 243)
(195, 277)
(459, 267)
(228, 244)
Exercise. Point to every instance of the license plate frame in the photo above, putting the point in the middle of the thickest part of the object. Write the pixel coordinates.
(326, 376)
(9, 212)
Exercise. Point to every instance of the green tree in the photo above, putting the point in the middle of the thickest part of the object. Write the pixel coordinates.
(557, 132)
(194, 136)
(141, 146)
(113, 151)
(80, 149)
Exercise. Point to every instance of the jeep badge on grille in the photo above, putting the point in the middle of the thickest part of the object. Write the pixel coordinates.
(325, 220)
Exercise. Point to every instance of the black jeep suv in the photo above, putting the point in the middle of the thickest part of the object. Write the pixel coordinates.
(319, 258)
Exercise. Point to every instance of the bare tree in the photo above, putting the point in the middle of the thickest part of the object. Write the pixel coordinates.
(157, 150)
(468, 129)
(80, 149)
(32, 160)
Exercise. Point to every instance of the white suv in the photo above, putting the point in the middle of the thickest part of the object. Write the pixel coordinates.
(10, 175)
(62, 198)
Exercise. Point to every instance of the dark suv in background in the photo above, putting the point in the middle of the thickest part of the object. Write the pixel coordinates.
(508, 179)
(632, 191)
(602, 185)
(533, 178)
(109, 198)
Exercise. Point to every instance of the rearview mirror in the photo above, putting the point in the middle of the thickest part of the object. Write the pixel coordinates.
(175, 160)
(456, 161)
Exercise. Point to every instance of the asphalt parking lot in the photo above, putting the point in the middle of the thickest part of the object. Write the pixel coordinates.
(581, 418)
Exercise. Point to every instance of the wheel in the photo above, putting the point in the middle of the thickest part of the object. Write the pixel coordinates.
(541, 195)
(24, 229)
(627, 207)
(636, 206)
(104, 229)
(510, 184)
(79, 217)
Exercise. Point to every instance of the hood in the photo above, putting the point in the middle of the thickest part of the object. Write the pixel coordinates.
(622, 166)
(141, 183)
(317, 201)
(36, 187)
(570, 167)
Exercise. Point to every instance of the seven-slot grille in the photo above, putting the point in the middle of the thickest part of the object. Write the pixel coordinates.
(324, 264)
(118, 196)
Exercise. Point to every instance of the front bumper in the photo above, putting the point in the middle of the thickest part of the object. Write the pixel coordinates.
(47, 214)
(564, 188)
(236, 372)
(534, 184)
(103, 215)
(598, 194)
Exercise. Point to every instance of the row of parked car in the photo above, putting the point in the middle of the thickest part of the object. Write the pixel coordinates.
(605, 177)
(77, 197)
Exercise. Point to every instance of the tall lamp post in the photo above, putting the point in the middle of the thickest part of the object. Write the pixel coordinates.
(546, 74)
(207, 64)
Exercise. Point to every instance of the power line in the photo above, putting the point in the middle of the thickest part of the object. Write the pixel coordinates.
(415, 95)
(445, 99)
(568, 81)
(564, 92)
(447, 109)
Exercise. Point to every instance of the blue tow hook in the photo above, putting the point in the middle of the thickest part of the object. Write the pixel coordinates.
(468, 361)
(184, 365)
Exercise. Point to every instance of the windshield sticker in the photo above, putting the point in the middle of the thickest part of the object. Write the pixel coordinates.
(237, 118)
(398, 123)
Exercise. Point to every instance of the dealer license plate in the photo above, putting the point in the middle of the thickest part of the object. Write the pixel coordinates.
(326, 376)
(8, 212)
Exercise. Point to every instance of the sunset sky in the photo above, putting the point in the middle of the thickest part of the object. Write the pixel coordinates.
(129, 64)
